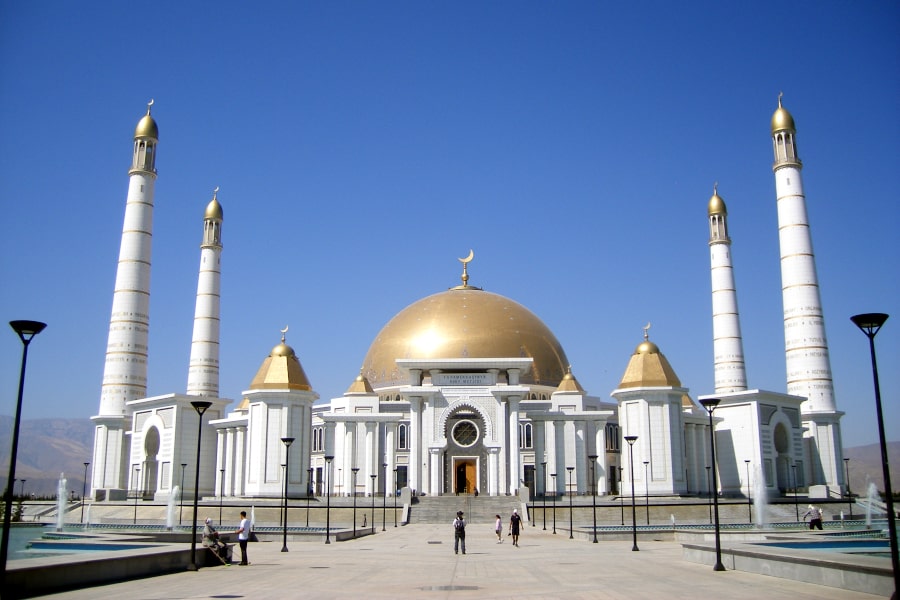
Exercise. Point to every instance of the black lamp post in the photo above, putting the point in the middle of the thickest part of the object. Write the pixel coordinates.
(26, 330)
(849, 493)
(647, 491)
(593, 459)
(137, 478)
(309, 491)
(355, 470)
(710, 405)
(287, 475)
(749, 495)
(328, 460)
(631, 439)
(181, 503)
(796, 485)
(396, 473)
(200, 406)
(544, 495)
(621, 497)
(870, 324)
(83, 491)
(373, 476)
(384, 496)
(569, 489)
(22, 488)
(553, 475)
(221, 492)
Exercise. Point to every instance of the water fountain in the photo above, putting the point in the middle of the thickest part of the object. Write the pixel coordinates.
(760, 499)
(870, 500)
(170, 509)
(61, 502)
(87, 517)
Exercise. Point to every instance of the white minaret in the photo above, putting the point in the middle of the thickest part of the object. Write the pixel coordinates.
(203, 374)
(125, 372)
(805, 344)
(728, 347)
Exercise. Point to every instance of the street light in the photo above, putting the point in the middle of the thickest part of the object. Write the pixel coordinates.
(287, 475)
(396, 474)
(870, 324)
(181, 503)
(593, 459)
(631, 439)
(22, 488)
(373, 476)
(849, 493)
(796, 485)
(200, 406)
(621, 498)
(309, 491)
(710, 405)
(221, 492)
(83, 490)
(544, 495)
(749, 496)
(355, 471)
(328, 460)
(553, 475)
(569, 488)
(384, 496)
(26, 331)
(709, 492)
(137, 479)
(647, 491)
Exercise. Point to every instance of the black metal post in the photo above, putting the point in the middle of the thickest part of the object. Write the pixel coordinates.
(136, 480)
(22, 488)
(631, 439)
(749, 495)
(26, 330)
(355, 470)
(647, 491)
(383, 496)
(200, 406)
(544, 495)
(287, 441)
(181, 502)
(83, 491)
(593, 459)
(396, 474)
(328, 460)
(870, 324)
(553, 475)
(372, 522)
(849, 493)
(796, 485)
(709, 492)
(569, 489)
(309, 491)
(221, 493)
(621, 497)
(710, 405)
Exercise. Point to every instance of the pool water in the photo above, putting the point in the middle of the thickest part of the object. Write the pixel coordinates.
(867, 547)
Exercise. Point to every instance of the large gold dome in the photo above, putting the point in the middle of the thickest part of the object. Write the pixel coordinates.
(465, 322)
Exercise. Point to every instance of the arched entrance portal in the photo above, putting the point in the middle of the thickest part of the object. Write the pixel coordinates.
(782, 458)
(465, 453)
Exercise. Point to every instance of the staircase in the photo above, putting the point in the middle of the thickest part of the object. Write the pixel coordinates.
(479, 510)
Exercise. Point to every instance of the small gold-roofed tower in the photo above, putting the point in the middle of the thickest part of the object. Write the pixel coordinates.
(203, 371)
(728, 347)
(807, 361)
(125, 369)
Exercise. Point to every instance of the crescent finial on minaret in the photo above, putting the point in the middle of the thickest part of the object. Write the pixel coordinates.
(216, 192)
(283, 331)
(647, 331)
(465, 262)
(780, 94)
(149, 104)
(715, 188)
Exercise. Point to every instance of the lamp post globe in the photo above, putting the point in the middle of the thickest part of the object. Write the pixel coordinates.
(631, 439)
(200, 406)
(710, 405)
(870, 324)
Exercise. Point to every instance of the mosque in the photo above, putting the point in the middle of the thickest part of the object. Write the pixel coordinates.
(466, 391)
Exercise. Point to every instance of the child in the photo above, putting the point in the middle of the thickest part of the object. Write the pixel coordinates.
(498, 529)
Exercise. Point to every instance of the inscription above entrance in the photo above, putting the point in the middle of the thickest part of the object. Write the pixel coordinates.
(462, 379)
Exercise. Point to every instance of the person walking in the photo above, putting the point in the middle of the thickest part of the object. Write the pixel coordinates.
(498, 529)
(243, 533)
(514, 522)
(459, 533)
(815, 517)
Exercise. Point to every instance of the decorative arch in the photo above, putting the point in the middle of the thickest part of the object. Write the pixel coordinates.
(456, 406)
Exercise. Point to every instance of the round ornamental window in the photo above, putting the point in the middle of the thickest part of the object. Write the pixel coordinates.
(465, 433)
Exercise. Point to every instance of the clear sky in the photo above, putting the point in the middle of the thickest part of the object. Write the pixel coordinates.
(362, 147)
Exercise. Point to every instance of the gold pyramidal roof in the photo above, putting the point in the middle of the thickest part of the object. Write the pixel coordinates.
(281, 370)
(648, 367)
(569, 383)
(360, 385)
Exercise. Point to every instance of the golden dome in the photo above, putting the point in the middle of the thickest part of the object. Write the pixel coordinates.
(782, 119)
(716, 204)
(465, 322)
(281, 370)
(648, 367)
(146, 127)
(213, 210)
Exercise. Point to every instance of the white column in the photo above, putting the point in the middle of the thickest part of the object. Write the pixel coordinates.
(390, 444)
(514, 468)
(602, 467)
(559, 434)
(538, 431)
(241, 448)
(415, 442)
(434, 466)
(503, 454)
(581, 477)
(371, 456)
(493, 472)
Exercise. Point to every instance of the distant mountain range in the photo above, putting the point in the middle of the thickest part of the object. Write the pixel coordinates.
(48, 447)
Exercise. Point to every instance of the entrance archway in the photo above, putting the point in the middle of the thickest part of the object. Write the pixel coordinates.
(465, 475)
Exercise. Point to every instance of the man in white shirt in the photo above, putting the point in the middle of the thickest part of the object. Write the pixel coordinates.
(243, 533)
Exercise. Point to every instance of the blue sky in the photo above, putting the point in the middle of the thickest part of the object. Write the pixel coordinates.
(361, 147)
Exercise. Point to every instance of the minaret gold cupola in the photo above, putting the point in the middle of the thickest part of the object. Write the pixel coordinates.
(146, 136)
(784, 143)
(718, 218)
(212, 223)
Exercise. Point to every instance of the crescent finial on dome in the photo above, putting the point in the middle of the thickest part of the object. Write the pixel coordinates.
(283, 331)
(216, 193)
(780, 95)
(465, 262)
(647, 331)
(149, 104)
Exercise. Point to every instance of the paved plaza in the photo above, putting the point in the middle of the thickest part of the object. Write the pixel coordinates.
(417, 561)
